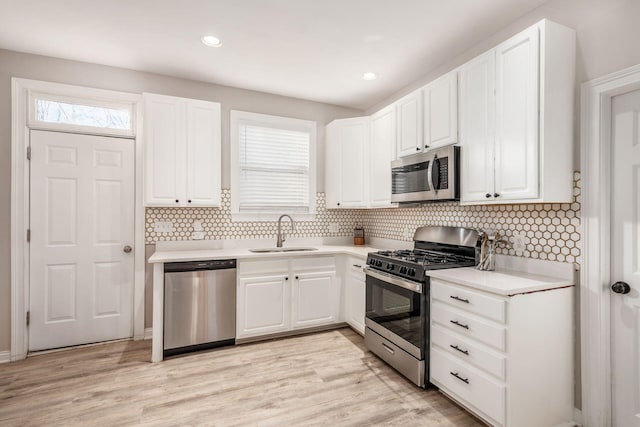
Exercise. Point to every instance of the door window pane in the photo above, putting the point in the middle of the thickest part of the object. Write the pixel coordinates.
(82, 115)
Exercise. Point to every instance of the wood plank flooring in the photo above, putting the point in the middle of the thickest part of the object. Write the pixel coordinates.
(321, 379)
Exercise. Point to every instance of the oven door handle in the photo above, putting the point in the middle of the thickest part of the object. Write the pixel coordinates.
(403, 283)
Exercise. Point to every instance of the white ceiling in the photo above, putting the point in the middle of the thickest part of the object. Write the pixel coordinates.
(311, 49)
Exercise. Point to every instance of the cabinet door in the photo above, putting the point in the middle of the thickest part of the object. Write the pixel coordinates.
(381, 153)
(203, 153)
(441, 111)
(315, 299)
(353, 135)
(516, 139)
(355, 302)
(477, 109)
(409, 111)
(263, 305)
(165, 162)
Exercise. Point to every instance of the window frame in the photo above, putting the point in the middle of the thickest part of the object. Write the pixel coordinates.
(34, 123)
(238, 118)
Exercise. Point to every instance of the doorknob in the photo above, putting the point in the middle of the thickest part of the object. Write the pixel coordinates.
(621, 288)
(127, 249)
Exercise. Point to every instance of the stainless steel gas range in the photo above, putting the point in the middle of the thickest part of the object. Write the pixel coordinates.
(397, 295)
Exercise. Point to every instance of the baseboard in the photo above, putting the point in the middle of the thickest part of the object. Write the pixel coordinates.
(5, 356)
(148, 333)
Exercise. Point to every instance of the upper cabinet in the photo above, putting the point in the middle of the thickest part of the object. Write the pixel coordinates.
(409, 113)
(440, 105)
(381, 152)
(182, 151)
(516, 119)
(347, 165)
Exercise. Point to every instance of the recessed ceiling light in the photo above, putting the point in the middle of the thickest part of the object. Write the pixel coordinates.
(369, 75)
(212, 41)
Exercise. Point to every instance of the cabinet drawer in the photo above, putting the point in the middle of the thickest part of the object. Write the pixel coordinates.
(469, 384)
(355, 265)
(315, 264)
(264, 267)
(475, 302)
(469, 325)
(469, 351)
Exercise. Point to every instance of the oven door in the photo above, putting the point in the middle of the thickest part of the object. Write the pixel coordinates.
(396, 309)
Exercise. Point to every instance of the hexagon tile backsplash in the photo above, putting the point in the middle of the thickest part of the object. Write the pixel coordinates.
(552, 231)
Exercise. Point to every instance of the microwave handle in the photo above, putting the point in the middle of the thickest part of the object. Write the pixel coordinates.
(430, 174)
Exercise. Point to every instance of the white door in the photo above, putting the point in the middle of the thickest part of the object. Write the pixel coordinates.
(353, 140)
(516, 139)
(263, 305)
(477, 112)
(409, 124)
(381, 151)
(82, 219)
(315, 299)
(625, 259)
(441, 111)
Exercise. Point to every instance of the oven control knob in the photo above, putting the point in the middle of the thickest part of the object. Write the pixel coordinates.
(391, 267)
(403, 269)
(412, 272)
(378, 263)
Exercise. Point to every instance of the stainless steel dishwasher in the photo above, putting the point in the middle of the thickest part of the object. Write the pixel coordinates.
(199, 305)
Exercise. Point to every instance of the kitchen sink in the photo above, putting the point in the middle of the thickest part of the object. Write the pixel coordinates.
(292, 249)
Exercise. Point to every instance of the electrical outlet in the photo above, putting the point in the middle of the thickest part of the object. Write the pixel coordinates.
(197, 235)
(163, 227)
(197, 225)
(519, 242)
(333, 227)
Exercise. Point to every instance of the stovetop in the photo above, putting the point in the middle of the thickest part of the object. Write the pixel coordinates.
(414, 263)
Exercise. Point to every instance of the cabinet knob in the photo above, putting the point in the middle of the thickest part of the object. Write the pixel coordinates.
(177, 201)
(426, 146)
(488, 195)
(286, 278)
(417, 148)
(296, 277)
(189, 200)
(338, 203)
(496, 195)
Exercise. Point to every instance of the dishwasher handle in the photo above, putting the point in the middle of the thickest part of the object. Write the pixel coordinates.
(220, 264)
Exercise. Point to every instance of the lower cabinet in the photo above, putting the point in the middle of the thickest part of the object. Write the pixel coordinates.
(284, 294)
(355, 294)
(508, 359)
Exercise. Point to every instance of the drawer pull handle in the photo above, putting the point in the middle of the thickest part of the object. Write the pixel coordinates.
(357, 265)
(464, 380)
(455, 347)
(389, 349)
(457, 298)
(462, 325)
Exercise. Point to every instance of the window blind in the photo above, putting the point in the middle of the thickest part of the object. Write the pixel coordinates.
(274, 169)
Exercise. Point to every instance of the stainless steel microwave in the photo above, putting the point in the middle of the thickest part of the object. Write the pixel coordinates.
(430, 176)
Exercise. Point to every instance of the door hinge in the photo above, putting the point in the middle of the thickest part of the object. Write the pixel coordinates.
(28, 234)
(28, 317)
(28, 153)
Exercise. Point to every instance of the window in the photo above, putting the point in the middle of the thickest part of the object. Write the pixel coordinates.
(272, 166)
(81, 115)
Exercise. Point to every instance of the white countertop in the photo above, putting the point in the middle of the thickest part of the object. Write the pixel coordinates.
(244, 253)
(502, 282)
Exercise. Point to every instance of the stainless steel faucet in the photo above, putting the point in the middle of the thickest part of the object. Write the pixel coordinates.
(280, 233)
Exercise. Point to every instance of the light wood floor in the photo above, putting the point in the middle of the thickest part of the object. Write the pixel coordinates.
(322, 379)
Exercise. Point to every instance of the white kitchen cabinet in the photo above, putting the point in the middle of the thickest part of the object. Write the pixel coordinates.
(315, 299)
(409, 112)
(382, 152)
(263, 305)
(477, 83)
(508, 359)
(516, 119)
(283, 294)
(355, 296)
(440, 104)
(347, 163)
(182, 151)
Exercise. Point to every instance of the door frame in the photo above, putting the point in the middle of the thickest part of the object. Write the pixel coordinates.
(20, 185)
(595, 277)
